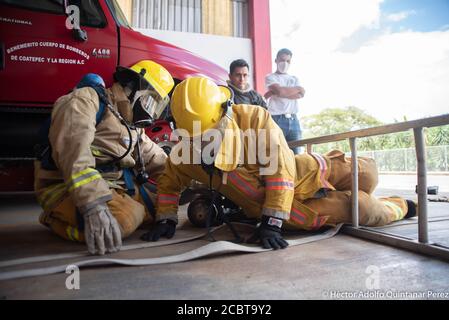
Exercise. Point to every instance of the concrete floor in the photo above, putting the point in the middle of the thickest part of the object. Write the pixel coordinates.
(332, 268)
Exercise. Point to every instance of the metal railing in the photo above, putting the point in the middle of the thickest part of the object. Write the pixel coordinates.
(402, 160)
(423, 245)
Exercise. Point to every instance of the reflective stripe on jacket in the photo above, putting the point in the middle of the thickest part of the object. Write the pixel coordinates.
(270, 194)
(79, 146)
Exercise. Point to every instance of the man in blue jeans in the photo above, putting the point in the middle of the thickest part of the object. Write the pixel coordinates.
(283, 92)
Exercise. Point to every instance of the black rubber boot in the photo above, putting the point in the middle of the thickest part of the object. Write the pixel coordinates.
(411, 212)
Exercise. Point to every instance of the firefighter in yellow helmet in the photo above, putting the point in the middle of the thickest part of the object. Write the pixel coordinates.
(302, 192)
(91, 179)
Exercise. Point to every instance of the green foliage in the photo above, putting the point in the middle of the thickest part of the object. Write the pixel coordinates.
(331, 121)
(438, 136)
(337, 120)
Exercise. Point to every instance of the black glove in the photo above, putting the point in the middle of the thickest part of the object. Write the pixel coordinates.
(269, 234)
(164, 228)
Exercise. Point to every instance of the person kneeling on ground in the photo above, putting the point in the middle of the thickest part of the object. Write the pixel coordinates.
(90, 181)
(305, 192)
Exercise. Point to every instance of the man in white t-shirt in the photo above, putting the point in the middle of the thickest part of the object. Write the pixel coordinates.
(283, 92)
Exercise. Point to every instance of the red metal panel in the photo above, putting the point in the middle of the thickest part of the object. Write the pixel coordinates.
(179, 62)
(260, 33)
(43, 61)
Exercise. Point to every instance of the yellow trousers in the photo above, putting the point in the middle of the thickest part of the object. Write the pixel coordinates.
(130, 213)
(335, 207)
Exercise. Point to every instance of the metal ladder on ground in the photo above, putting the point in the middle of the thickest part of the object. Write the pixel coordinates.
(422, 245)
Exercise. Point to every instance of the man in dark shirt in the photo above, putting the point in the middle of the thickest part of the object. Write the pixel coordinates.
(243, 93)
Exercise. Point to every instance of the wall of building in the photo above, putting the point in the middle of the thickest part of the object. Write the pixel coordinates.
(218, 30)
(218, 17)
(260, 33)
(127, 8)
(218, 49)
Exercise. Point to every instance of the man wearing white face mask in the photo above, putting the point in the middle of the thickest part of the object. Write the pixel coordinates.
(283, 93)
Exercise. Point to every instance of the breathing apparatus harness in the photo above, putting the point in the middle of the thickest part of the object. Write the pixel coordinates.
(215, 195)
(141, 175)
(94, 81)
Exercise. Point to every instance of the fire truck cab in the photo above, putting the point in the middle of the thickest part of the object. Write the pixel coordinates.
(46, 46)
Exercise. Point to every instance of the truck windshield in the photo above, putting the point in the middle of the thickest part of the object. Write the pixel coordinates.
(118, 14)
(91, 13)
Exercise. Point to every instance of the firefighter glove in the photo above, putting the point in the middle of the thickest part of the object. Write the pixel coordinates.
(269, 234)
(164, 228)
(101, 230)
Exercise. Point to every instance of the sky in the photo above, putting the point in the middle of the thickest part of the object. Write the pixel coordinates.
(389, 58)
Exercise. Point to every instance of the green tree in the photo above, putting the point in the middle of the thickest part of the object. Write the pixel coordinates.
(337, 120)
(438, 136)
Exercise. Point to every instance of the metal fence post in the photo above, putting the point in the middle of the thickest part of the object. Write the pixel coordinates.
(446, 160)
(309, 148)
(405, 160)
(422, 185)
(355, 183)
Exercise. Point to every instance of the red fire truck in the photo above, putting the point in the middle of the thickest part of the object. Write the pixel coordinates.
(43, 57)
